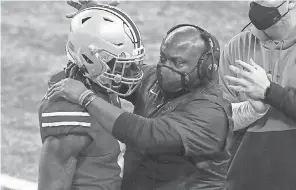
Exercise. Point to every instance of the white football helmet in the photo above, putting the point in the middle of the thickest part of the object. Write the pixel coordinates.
(106, 43)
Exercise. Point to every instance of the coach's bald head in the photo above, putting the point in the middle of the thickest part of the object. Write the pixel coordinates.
(184, 40)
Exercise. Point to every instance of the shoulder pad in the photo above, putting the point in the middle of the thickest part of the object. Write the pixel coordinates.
(62, 111)
(61, 117)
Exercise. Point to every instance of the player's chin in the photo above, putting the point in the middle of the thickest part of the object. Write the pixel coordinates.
(116, 86)
(120, 87)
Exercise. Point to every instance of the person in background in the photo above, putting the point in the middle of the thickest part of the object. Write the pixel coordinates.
(265, 156)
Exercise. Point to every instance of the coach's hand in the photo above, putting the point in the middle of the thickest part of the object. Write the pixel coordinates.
(83, 4)
(253, 81)
(68, 88)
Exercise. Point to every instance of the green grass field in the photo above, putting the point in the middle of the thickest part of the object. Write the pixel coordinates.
(33, 37)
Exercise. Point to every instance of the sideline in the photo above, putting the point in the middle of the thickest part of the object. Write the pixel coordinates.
(16, 184)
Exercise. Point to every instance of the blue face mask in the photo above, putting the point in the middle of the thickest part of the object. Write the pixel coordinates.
(264, 17)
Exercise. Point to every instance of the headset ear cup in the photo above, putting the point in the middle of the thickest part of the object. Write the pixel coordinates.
(213, 71)
(207, 68)
(199, 70)
(204, 66)
(217, 58)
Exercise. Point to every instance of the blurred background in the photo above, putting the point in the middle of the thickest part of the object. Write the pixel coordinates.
(33, 36)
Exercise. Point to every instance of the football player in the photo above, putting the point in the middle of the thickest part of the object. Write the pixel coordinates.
(105, 52)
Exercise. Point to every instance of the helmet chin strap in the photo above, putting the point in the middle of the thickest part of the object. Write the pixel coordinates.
(114, 99)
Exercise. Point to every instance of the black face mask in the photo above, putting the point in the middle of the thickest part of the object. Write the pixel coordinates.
(186, 79)
(171, 87)
(167, 84)
(264, 17)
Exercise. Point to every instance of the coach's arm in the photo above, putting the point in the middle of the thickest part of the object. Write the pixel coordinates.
(201, 127)
(58, 161)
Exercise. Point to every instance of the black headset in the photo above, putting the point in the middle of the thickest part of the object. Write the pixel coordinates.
(208, 63)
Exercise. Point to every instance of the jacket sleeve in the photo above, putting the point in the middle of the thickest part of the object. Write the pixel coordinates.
(283, 99)
(244, 115)
(199, 128)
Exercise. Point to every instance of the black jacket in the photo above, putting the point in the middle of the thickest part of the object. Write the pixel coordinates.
(283, 99)
(182, 143)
